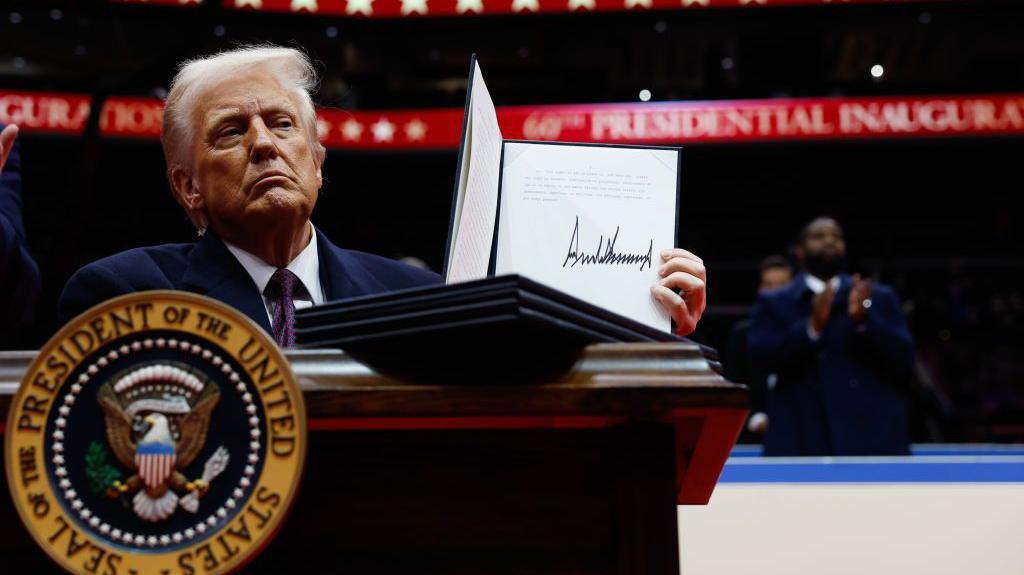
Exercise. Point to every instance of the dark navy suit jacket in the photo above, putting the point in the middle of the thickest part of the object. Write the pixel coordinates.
(208, 268)
(19, 274)
(841, 394)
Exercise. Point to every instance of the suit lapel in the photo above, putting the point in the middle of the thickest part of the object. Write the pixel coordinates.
(214, 272)
(841, 300)
(801, 293)
(341, 275)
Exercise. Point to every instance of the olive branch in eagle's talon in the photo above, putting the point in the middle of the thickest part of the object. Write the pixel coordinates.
(103, 477)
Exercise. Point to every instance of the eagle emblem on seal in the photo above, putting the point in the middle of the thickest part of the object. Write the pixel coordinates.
(157, 417)
(158, 432)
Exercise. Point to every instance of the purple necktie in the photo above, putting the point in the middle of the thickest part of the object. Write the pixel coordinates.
(281, 291)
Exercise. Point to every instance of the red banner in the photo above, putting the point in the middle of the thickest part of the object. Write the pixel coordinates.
(161, 2)
(769, 120)
(415, 8)
(419, 8)
(650, 123)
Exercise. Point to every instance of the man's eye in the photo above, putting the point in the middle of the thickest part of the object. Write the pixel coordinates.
(229, 132)
(283, 123)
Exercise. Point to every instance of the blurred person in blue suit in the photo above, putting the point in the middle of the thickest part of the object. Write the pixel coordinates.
(19, 274)
(840, 352)
(776, 271)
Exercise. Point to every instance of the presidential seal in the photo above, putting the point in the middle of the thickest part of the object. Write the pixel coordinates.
(158, 433)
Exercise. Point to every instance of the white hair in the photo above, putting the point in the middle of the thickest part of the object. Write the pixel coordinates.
(291, 67)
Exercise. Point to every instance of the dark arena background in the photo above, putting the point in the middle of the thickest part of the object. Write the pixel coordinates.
(934, 213)
(901, 119)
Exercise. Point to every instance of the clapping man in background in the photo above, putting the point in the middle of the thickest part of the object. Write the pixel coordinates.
(841, 353)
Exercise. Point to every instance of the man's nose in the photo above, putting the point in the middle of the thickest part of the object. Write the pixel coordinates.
(263, 147)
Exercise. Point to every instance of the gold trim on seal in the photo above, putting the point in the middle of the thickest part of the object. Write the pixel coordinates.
(78, 538)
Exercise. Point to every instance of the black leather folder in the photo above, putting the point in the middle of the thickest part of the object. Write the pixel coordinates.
(505, 324)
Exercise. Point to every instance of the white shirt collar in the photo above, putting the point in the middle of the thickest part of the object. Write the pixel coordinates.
(306, 266)
(817, 286)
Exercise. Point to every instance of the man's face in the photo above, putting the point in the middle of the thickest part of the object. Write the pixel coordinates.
(254, 164)
(824, 239)
(774, 278)
(823, 250)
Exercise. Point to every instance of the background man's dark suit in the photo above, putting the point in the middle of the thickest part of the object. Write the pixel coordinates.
(208, 268)
(19, 274)
(839, 395)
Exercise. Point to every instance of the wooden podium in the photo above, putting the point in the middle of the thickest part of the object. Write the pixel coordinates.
(577, 475)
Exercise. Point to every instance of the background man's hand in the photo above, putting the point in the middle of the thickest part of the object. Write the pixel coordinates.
(6, 143)
(821, 308)
(758, 423)
(685, 272)
(860, 295)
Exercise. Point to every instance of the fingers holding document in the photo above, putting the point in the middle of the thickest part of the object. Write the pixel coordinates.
(682, 290)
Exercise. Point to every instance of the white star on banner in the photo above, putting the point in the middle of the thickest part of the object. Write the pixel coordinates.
(254, 3)
(415, 130)
(635, 3)
(190, 1)
(520, 5)
(470, 6)
(761, 2)
(364, 7)
(383, 130)
(352, 130)
(304, 5)
(417, 6)
(588, 4)
(698, 2)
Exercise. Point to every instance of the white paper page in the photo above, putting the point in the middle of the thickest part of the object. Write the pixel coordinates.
(476, 209)
(590, 221)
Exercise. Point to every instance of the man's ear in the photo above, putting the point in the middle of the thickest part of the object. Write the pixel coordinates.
(799, 253)
(186, 193)
(319, 155)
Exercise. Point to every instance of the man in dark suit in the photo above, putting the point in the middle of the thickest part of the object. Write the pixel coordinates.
(209, 268)
(244, 161)
(19, 275)
(243, 157)
(841, 352)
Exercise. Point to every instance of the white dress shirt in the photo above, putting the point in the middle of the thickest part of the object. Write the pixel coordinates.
(306, 266)
(817, 286)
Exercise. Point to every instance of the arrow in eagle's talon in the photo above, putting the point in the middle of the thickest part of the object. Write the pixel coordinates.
(213, 467)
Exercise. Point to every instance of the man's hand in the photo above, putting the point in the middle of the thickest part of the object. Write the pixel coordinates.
(6, 144)
(860, 299)
(821, 308)
(758, 423)
(685, 272)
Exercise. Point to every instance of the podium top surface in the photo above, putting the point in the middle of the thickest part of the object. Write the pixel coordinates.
(639, 380)
(610, 384)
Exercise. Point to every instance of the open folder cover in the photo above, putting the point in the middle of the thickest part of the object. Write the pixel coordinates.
(586, 219)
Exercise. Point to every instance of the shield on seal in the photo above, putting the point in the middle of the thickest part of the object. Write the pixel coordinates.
(155, 462)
